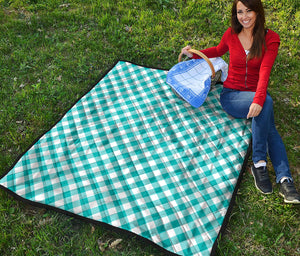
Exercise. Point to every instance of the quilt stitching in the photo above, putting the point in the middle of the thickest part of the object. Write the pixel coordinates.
(131, 154)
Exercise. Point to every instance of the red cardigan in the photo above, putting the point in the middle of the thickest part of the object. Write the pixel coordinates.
(246, 75)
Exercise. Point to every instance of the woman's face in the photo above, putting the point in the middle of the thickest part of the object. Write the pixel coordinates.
(245, 16)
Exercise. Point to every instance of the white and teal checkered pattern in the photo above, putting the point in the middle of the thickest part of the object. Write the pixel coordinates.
(133, 155)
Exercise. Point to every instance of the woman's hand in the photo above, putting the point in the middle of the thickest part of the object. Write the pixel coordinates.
(254, 110)
(185, 51)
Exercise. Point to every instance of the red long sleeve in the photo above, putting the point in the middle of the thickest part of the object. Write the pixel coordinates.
(265, 71)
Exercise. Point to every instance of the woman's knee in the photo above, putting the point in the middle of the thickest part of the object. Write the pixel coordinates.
(268, 105)
(236, 103)
(267, 110)
(269, 99)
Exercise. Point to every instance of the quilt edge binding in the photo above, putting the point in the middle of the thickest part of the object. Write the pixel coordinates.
(232, 201)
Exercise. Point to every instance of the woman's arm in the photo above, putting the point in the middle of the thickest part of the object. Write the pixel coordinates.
(264, 74)
(265, 71)
(270, 55)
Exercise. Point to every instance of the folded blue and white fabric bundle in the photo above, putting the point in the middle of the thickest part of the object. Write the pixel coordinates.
(192, 79)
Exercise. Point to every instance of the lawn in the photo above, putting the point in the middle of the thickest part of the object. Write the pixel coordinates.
(53, 51)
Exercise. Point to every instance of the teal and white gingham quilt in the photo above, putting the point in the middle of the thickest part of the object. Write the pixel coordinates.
(133, 155)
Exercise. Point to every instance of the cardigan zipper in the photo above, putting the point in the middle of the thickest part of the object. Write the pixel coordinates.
(246, 72)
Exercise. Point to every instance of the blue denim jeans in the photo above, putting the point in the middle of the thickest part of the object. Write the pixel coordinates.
(265, 138)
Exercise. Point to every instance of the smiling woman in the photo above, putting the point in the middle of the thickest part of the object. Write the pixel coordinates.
(246, 16)
(253, 50)
(248, 21)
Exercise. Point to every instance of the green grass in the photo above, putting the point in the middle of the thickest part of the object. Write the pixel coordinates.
(53, 51)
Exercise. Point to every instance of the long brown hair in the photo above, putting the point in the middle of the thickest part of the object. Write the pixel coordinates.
(259, 27)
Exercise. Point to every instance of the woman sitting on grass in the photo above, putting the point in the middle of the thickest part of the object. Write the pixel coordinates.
(253, 50)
